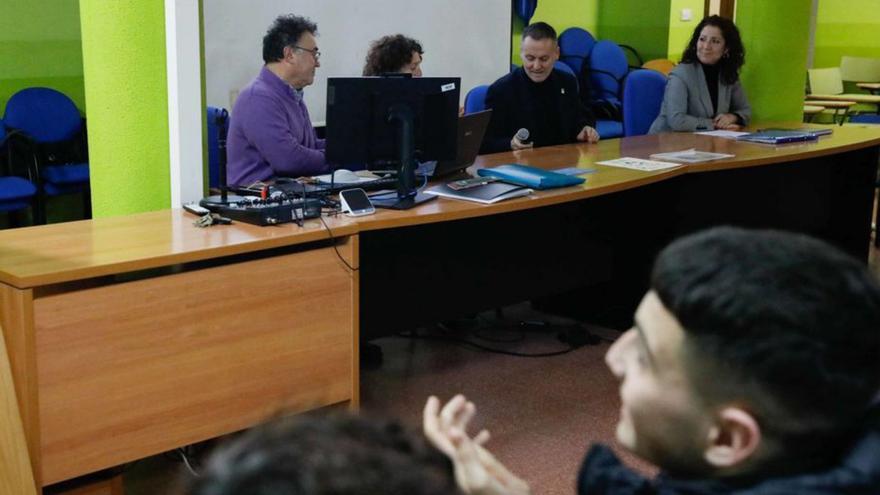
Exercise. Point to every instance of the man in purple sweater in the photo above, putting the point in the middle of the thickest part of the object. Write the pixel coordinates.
(270, 133)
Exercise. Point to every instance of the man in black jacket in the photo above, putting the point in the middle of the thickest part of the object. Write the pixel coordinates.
(538, 98)
(752, 368)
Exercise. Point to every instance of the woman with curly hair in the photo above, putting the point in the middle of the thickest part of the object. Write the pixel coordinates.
(394, 54)
(704, 91)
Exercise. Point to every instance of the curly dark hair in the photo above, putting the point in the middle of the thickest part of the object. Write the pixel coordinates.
(786, 322)
(389, 54)
(286, 30)
(336, 454)
(733, 60)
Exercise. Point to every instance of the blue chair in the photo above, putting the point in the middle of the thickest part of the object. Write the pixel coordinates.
(56, 141)
(575, 46)
(608, 68)
(525, 9)
(642, 97)
(609, 129)
(865, 118)
(214, 143)
(16, 193)
(475, 100)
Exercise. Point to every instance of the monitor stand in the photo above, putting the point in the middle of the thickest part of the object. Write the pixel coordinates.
(407, 193)
(402, 203)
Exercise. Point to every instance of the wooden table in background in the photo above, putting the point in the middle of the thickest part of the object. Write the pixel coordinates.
(130, 336)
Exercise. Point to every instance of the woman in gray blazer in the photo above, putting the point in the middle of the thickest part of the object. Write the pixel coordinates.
(704, 91)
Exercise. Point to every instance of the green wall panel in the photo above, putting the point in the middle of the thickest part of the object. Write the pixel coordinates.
(680, 31)
(561, 14)
(641, 24)
(126, 89)
(40, 46)
(775, 35)
(846, 27)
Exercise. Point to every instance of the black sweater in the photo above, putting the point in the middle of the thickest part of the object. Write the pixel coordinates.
(551, 110)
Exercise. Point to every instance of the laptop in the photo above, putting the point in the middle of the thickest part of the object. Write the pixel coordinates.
(471, 128)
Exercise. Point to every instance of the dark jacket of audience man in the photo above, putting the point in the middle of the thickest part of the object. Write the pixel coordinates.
(538, 98)
(270, 132)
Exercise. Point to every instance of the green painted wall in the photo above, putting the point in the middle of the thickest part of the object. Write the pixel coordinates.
(641, 24)
(680, 31)
(40, 46)
(846, 27)
(775, 35)
(561, 14)
(126, 89)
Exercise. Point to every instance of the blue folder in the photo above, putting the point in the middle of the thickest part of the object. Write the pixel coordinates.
(779, 136)
(533, 177)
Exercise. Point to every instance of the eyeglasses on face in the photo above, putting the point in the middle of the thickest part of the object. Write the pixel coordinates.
(314, 51)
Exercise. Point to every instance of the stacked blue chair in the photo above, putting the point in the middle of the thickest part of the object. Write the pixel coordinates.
(575, 45)
(865, 118)
(608, 68)
(642, 98)
(55, 132)
(525, 9)
(214, 144)
(16, 193)
(475, 100)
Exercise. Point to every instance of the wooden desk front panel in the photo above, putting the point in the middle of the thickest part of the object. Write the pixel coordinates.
(136, 368)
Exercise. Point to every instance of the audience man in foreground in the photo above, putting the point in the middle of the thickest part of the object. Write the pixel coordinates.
(753, 367)
(335, 454)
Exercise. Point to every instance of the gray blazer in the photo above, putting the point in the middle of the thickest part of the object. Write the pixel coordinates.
(687, 105)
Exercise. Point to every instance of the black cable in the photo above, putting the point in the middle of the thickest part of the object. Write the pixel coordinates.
(332, 238)
(468, 343)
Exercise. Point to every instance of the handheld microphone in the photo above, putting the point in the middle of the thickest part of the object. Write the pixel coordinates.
(522, 135)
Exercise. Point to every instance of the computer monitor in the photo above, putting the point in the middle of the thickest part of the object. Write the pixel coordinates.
(392, 122)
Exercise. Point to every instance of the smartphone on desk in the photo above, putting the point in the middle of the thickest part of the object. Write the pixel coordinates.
(355, 203)
(458, 185)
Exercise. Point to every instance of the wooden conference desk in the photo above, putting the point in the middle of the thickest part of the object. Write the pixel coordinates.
(130, 336)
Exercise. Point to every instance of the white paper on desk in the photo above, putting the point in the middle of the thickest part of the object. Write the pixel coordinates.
(639, 164)
(690, 156)
(722, 134)
(325, 179)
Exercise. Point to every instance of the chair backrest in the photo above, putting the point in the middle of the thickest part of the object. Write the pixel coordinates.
(214, 143)
(562, 67)
(44, 114)
(661, 65)
(865, 118)
(575, 46)
(860, 69)
(642, 98)
(525, 9)
(608, 67)
(825, 81)
(475, 100)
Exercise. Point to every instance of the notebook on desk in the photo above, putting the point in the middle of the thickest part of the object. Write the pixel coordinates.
(778, 136)
(486, 193)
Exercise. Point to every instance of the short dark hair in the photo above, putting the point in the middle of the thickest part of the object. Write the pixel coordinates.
(286, 30)
(783, 321)
(389, 54)
(729, 65)
(539, 31)
(339, 454)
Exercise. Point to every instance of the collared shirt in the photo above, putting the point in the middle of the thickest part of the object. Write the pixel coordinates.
(270, 134)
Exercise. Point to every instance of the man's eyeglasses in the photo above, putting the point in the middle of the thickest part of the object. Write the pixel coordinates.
(314, 51)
